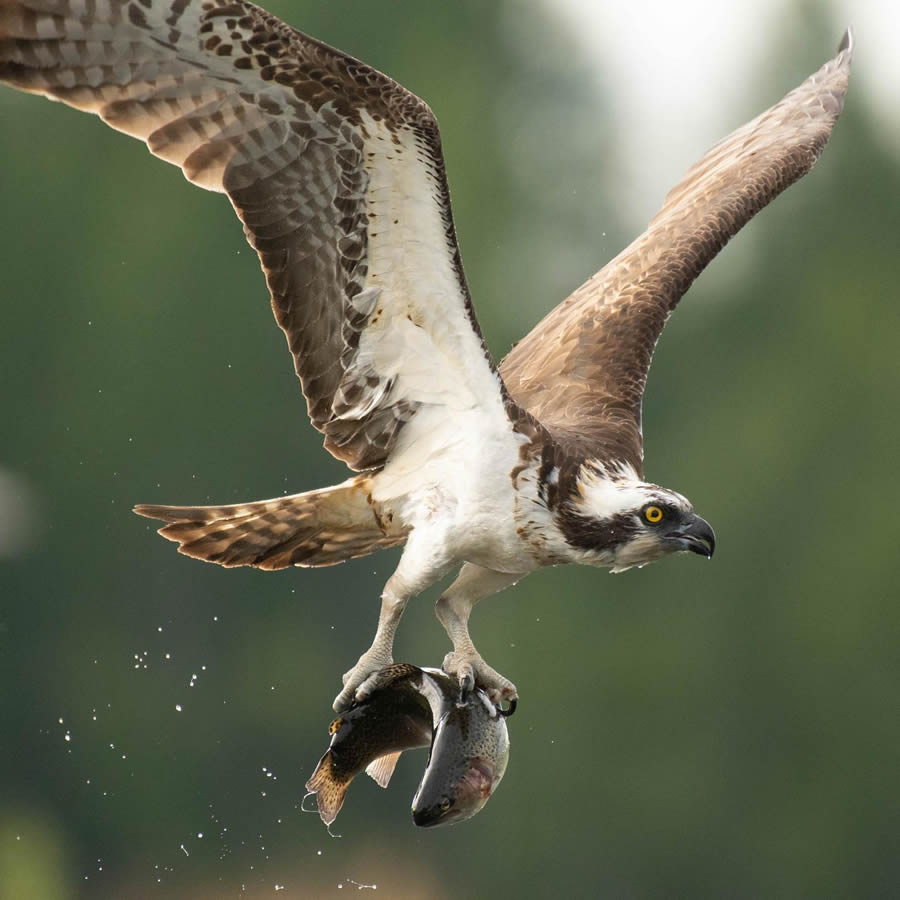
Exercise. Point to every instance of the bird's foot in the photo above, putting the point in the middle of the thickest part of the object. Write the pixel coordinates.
(472, 671)
(361, 680)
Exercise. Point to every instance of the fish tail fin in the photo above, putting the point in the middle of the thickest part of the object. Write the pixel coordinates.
(381, 769)
(328, 789)
(317, 528)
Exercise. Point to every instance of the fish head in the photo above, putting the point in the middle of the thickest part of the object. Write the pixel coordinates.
(461, 799)
(469, 753)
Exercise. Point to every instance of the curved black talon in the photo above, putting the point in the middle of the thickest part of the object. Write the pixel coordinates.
(506, 713)
(466, 686)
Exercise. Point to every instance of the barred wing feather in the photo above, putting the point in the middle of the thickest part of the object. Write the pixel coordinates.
(335, 170)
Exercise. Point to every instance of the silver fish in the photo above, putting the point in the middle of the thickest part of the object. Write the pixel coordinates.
(469, 753)
(412, 707)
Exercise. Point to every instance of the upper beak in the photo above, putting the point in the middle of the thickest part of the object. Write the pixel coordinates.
(695, 534)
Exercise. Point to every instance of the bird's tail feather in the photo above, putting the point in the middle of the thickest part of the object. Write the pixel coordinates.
(318, 528)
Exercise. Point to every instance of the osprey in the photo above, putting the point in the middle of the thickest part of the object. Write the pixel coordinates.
(337, 174)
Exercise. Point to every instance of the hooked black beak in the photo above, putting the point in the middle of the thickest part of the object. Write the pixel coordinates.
(695, 534)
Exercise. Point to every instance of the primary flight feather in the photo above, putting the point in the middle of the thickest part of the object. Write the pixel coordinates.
(337, 174)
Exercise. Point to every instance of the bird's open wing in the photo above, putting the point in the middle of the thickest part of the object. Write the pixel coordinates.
(582, 370)
(335, 170)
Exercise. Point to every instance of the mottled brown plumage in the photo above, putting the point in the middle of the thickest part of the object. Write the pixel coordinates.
(290, 129)
(582, 370)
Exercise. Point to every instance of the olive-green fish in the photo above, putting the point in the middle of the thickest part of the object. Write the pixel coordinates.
(397, 715)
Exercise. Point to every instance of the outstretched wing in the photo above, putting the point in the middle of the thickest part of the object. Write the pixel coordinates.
(335, 170)
(582, 370)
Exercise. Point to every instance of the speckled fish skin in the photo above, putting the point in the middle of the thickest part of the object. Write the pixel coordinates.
(468, 758)
(397, 716)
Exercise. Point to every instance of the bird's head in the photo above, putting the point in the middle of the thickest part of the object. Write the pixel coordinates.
(614, 519)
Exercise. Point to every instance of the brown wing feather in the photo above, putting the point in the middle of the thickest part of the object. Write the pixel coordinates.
(296, 134)
(582, 370)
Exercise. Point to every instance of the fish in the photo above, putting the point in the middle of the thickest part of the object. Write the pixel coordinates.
(409, 707)
(395, 716)
(469, 754)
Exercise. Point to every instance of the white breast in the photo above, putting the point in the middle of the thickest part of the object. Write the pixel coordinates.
(453, 479)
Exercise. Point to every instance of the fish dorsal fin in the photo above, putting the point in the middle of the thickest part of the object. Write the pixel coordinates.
(382, 768)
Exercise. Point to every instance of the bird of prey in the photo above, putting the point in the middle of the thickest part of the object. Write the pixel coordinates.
(337, 174)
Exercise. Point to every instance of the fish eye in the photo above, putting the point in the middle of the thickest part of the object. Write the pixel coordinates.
(445, 804)
(653, 514)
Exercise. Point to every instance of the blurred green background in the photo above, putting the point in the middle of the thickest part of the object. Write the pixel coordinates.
(728, 729)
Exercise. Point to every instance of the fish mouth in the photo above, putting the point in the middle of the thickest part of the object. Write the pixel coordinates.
(430, 816)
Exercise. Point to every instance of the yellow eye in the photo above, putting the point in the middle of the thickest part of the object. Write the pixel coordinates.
(653, 514)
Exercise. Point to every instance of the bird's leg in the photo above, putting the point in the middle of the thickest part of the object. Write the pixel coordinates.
(380, 654)
(453, 609)
(419, 567)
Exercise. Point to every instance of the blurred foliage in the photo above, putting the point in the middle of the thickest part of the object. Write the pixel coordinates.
(687, 730)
